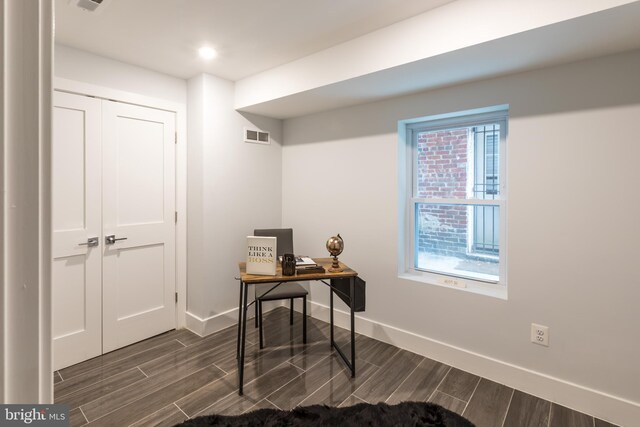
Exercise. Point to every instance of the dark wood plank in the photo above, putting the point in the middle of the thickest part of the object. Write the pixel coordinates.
(257, 361)
(317, 332)
(124, 396)
(230, 334)
(263, 404)
(448, 402)
(101, 388)
(188, 338)
(255, 391)
(373, 351)
(85, 380)
(157, 400)
(215, 347)
(290, 396)
(564, 417)
(381, 385)
(350, 401)
(76, 418)
(278, 331)
(199, 400)
(56, 377)
(311, 355)
(278, 316)
(262, 362)
(459, 384)
(489, 403)
(527, 411)
(231, 405)
(342, 385)
(421, 383)
(118, 355)
(272, 381)
(265, 361)
(168, 416)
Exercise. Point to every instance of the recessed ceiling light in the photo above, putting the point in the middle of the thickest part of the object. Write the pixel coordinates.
(207, 53)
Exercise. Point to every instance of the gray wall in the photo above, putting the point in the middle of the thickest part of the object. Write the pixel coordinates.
(572, 233)
(233, 187)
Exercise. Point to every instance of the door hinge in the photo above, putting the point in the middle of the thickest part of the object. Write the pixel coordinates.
(176, 297)
(176, 217)
(176, 138)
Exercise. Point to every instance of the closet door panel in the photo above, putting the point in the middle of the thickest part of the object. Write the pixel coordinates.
(138, 212)
(76, 217)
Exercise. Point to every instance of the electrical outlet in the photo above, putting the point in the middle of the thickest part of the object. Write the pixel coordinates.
(540, 334)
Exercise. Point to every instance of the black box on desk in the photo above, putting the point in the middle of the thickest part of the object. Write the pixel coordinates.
(341, 288)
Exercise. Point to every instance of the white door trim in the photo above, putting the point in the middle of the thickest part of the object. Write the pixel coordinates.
(26, 360)
(81, 88)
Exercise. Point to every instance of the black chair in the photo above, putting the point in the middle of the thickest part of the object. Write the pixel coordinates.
(286, 290)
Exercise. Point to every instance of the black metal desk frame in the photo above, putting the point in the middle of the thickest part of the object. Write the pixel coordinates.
(243, 306)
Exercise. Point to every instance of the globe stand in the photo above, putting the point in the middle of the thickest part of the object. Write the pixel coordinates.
(335, 266)
(335, 245)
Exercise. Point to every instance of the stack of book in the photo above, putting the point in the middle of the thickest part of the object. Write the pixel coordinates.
(305, 265)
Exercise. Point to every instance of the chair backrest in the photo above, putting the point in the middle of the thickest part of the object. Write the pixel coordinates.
(284, 237)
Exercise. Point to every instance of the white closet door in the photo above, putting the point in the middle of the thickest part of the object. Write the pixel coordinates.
(138, 207)
(76, 217)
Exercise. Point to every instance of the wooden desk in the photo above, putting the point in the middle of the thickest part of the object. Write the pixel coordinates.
(252, 279)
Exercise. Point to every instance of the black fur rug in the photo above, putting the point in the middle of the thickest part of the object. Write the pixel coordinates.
(416, 414)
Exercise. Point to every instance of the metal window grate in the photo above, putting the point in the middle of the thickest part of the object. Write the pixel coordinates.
(486, 161)
(486, 186)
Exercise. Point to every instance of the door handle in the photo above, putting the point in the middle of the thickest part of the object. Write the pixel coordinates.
(111, 239)
(91, 242)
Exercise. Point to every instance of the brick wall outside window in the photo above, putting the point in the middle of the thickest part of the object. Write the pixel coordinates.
(442, 172)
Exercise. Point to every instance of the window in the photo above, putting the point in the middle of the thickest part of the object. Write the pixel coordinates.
(455, 197)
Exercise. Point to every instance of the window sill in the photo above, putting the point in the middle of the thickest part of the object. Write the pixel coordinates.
(472, 286)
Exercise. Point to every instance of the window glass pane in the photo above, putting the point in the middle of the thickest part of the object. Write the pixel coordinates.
(458, 240)
(458, 163)
(442, 163)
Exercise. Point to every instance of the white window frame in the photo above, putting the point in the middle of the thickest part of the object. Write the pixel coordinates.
(407, 186)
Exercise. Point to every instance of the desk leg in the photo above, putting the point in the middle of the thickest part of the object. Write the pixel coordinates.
(243, 327)
(351, 364)
(352, 291)
(331, 314)
(239, 320)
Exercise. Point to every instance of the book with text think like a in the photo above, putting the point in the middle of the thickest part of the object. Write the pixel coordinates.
(261, 255)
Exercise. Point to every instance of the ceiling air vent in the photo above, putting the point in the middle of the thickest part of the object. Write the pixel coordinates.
(256, 136)
(89, 5)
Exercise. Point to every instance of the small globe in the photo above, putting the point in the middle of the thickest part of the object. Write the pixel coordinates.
(335, 245)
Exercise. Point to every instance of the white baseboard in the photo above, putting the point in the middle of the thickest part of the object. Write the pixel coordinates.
(215, 323)
(580, 398)
(204, 327)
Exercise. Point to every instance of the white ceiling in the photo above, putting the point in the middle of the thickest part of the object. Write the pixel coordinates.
(250, 35)
(591, 35)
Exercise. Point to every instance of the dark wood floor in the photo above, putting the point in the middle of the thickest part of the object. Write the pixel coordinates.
(168, 378)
